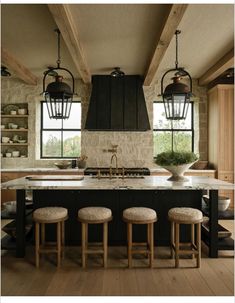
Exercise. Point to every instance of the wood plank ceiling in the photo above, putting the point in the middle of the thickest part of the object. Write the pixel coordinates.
(136, 37)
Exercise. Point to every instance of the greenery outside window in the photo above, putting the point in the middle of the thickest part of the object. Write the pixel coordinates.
(61, 138)
(179, 133)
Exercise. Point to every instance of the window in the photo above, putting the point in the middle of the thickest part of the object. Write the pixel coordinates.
(61, 138)
(167, 131)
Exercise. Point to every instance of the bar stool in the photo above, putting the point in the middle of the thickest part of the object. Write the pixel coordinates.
(49, 215)
(185, 215)
(94, 215)
(140, 215)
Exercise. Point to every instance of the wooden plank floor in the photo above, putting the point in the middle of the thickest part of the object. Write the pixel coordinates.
(21, 278)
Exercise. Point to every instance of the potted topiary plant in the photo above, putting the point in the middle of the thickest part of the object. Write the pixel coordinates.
(81, 161)
(176, 163)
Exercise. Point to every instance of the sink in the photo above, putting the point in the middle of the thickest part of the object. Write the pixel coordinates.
(118, 177)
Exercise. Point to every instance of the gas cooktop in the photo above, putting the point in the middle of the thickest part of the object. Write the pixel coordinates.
(127, 170)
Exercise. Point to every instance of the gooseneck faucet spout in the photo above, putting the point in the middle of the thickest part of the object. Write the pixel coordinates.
(114, 156)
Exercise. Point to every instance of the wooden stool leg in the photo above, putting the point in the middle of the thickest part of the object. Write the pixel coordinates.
(177, 245)
(105, 243)
(43, 234)
(192, 237)
(129, 244)
(84, 227)
(172, 239)
(199, 245)
(62, 239)
(37, 243)
(151, 246)
(58, 244)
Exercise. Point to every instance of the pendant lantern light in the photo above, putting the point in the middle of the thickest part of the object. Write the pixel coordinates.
(58, 94)
(176, 96)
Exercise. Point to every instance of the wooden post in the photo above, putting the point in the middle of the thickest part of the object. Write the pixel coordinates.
(199, 245)
(105, 243)
(83, 245)
(58, 244)
(37, 243)
(177, 245)
(129, 240)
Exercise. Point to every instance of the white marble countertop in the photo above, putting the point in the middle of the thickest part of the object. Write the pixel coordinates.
(159, 169)
(69, 170)
(41, 169)
(146, 183)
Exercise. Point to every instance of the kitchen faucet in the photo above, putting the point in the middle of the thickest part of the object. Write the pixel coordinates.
(114, 156)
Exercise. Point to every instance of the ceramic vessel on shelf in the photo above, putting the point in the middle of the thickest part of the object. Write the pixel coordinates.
(10, 206)
(15, 153)
(22, 111)
(223, 202)
(15, 138)
(63, 164)
(5, 139)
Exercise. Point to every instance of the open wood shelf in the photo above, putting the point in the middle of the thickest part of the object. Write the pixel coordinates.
(6, 215)
(14, 144)
(14, 116)
(223, 243)
(222, 215)
(14, 130)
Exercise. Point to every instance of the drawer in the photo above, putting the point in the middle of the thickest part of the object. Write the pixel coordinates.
(226, 176)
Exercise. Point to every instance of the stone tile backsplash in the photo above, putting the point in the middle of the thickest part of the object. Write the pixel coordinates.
(134, 148)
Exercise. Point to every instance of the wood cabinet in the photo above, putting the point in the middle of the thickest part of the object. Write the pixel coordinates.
(221, 133)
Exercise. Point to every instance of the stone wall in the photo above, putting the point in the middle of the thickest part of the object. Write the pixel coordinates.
(134, 148)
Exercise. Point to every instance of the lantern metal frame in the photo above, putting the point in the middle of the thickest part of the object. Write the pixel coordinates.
(170, 95)
(58, 102)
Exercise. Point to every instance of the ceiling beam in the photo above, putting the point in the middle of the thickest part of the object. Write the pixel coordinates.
(17, 67)
(168, 30)
(64, 20)
(224, 63)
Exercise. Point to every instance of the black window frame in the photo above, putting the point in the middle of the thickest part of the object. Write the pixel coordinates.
(179, 129)
(55, 129)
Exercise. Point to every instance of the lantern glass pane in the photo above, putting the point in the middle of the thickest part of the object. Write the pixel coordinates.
(159, 117)
(47, 122)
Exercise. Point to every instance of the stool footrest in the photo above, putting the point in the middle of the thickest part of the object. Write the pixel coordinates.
(97, 251)
(139, 244)
(142, 251)
(48, 250)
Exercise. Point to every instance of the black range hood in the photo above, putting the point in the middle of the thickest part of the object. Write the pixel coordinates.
(117, 104)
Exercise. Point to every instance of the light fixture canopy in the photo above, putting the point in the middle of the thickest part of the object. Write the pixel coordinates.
(58, 94)
(117, 72)
(176, 96)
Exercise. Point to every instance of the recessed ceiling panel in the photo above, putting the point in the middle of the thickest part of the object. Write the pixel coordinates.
(122, 35)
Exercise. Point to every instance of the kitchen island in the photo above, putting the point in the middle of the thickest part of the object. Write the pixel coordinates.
(118, 194)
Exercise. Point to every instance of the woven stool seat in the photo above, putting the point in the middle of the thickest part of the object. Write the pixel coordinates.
(50, 214)
(95, 214)
(185, 214)
(139, 214)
